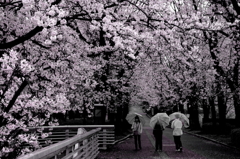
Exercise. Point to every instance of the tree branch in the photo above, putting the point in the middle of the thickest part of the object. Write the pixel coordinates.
(14, 98)
(39, 44)
(56, 2)
(21, 39)
(235, 6)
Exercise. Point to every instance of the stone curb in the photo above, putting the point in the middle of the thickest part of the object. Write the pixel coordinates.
(123, 139)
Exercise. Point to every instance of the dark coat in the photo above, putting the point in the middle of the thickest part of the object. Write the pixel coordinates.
(158, 128)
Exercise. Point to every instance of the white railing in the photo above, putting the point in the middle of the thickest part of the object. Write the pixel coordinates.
(82, 146)
(59, 133)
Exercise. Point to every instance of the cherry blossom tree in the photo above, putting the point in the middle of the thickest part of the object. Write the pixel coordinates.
(57, 55)
(185, 44)
(50, 51)
(42, 57)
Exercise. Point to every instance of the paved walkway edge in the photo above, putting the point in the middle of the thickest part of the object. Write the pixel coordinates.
(123, 139)
(215, 141)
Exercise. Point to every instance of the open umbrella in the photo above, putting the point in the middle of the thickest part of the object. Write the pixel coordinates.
(182, 117)
(131, 117)
(163, 118)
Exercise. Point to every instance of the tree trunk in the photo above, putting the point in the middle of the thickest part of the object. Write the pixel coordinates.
(213, 110)
(118, 125)
(181, 107)
(236, 101)
(125, 125)
(194, 119)
(222, 108)
(206, 110)
(84, 113)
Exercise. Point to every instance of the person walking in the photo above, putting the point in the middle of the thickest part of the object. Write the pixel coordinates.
(177, 132)
(157, 133)
(137, 131)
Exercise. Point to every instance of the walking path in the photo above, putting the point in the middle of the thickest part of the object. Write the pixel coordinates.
(193, 147)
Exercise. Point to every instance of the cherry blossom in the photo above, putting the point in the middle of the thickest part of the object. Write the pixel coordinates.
(62, 55)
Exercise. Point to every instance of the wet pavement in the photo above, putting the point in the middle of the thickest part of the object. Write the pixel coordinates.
(193, 147)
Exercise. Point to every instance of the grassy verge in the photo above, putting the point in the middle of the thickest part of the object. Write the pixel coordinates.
(222, 139)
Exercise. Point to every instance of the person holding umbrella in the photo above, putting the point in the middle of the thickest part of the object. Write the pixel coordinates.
(177, 132)
(159, 122)
(182, 117)
(137, 131)
(157, 133)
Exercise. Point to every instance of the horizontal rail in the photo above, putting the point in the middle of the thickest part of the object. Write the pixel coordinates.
(67, 146)
(73, 126)
(62, 132)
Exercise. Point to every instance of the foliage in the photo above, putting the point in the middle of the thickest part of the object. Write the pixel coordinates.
(57, 55)
(235, 137)
(208, 127)
(40, 62)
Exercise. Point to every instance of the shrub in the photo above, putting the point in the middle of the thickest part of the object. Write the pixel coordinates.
(235, 137)
(228, 127)
(77, 121)
(208, 127)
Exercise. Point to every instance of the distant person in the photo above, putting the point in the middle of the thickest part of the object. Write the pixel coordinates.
(144, 110)
(157, 109)
(137, 131)
(177, 132)
(157, 133)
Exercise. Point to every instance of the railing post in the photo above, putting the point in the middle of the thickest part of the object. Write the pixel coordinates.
(85, 141)
(67, 133)
(67, 136)
(80, 131)
(104, 139)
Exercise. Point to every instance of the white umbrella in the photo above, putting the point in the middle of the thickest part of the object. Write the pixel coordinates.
(131, 117)
(163, 118)
(182, 117)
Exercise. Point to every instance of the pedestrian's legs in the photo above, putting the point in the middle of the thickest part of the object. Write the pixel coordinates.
(160, 142)
(139, 142)
(180, 143)
(156, 142)
(135, 141)
(176, 141)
